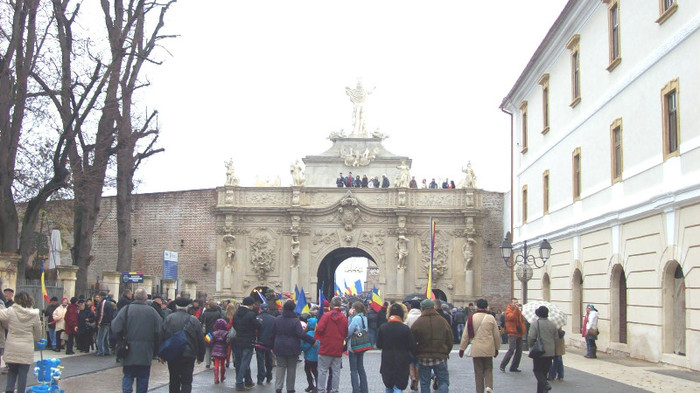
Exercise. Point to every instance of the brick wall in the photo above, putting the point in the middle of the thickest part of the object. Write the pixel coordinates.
(495, 275)
(181, 221)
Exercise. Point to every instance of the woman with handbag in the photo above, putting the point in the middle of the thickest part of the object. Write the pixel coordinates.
(481, 340)
(23, 329)
(542, 339)
(590, 331)
(357, 327)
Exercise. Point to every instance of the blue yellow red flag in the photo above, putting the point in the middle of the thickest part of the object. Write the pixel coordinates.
(429, 288)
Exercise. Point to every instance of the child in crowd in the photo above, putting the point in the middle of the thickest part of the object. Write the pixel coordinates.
(310, 356)
(218, 349)
(556, 371)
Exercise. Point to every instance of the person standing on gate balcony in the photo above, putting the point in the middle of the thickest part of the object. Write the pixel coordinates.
(590, 331)
(515, 329)
(340, 181)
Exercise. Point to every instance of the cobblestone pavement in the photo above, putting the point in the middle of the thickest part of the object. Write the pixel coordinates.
(89, 373)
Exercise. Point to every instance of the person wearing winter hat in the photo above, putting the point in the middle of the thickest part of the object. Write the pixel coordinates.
(310, 356)
(547, 331)
(181, 369)
(246, 325)
(590, 331)
(395, 340)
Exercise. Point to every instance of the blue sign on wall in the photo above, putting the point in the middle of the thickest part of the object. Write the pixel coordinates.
(169, 265)
(132, 277)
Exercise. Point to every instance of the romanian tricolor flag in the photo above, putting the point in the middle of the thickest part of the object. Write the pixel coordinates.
(278, 302)
(337, 290)
(302, 305)
(349, 290)
(208, 338)
(43, 285)
(429, 288)
(358, 286)
(376, 303)
(321, 300)
(296, 293)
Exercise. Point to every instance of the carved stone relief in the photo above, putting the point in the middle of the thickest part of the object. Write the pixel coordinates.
(265, 198)
(262, 254)
(440, 254)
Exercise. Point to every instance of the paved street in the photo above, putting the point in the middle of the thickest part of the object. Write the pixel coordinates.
(88, 373)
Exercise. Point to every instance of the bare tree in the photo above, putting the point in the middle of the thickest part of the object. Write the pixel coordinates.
(16, 62)
(128, 159)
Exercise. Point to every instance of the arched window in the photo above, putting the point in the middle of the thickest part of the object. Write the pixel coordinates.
(618, 314)
(674, 309)
(576, 301)
(546, 288)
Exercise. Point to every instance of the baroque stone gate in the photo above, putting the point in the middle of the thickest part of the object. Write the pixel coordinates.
(279, 237)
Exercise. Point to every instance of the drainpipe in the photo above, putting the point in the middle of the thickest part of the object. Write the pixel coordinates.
(511, 189)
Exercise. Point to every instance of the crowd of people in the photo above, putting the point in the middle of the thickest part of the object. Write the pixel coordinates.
(415, 338)
(356, 181)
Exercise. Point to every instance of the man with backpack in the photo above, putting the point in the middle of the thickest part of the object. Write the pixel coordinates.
(181, 368)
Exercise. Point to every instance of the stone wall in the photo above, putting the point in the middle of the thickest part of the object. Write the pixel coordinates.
(495, 276)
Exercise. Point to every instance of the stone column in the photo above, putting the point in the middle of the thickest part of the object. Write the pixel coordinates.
(8, 270)
(400, 277)
(189, 287)
(469, 283)
(169, 287)
(294, 278)
(111, 281)
(66, 274)
(148, 283)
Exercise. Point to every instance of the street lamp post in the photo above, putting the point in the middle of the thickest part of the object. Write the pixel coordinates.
(523, 262)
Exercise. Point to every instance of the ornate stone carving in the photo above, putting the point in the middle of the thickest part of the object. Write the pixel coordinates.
(229, 249)
(298, 178)
(468, 253)
(358, 157)
(324, 237)
(358, 95)
(295, 251)
(228, 197)
(348, 212)
(470, 181)
(262, 255)
(404, 175)
(275, 284)
(440, 253)
(433, 200)
(230, 179)
(335, 135)
(376, 134)
(401, 252)
(265, 198)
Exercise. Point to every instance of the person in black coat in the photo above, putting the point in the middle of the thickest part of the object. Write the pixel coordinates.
(396, 342)
(246, 324)
(86, 326)
(208, 319)
(263, 349)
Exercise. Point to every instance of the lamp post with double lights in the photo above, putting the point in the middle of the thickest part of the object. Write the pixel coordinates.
(524, 262)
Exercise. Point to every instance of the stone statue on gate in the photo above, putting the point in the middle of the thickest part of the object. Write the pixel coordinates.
(230, 179)
(358, 95)
(298, 178)
(470, 181)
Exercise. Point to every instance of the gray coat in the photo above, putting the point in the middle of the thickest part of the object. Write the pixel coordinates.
(142, 332)
(548, 332)
(195, 339)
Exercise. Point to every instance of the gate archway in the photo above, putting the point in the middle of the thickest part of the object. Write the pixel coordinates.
(326, 269)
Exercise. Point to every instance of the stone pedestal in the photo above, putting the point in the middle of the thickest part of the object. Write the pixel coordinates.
(66, 275)
(400, 277)
(169, 287)
(111, 281)
(469, 283)
(8, 270)
(189, 289)
(294, 278)
(148, 284)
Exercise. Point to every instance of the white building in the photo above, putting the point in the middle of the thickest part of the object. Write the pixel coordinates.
(606, 166)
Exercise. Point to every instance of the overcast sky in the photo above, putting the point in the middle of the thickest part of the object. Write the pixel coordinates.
(263, 83)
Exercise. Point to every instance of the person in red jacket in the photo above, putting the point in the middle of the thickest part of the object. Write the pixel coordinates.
(71, 324)
(331, 332)
(515, 329)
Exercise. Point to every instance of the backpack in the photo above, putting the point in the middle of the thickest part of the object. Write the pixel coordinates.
(173, 347)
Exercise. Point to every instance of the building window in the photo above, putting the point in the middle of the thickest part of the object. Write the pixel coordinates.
(671, 119)
(573, 46)
(576, 167)
(614, 33)
(544, 82)
(523, 140)
(616, 150)
(666, 9)
(524, 204)
(545, 192)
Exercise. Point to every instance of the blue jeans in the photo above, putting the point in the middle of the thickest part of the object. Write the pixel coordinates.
(557, 369)
(141, 373)
(103, 340)
(358, 376)
(52, 337)
(242, 358)
(264, 359)
(393, 390)
(590, 346)
(443, 377)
